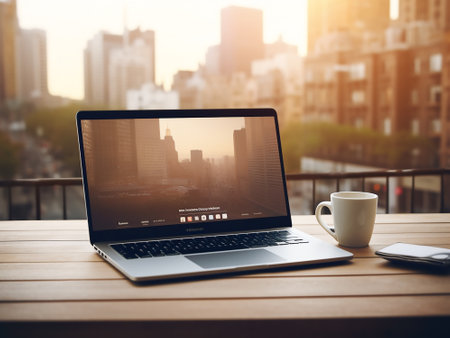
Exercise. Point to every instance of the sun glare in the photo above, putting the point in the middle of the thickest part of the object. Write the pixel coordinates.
(184, 31)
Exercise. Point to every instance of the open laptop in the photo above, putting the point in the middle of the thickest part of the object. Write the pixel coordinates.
(177, 193)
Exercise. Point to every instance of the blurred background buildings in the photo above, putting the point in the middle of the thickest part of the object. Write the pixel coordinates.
(363, 70)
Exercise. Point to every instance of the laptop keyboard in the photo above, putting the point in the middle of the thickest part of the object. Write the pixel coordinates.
(194, 245)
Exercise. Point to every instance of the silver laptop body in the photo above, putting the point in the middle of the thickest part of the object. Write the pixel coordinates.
(178, 193)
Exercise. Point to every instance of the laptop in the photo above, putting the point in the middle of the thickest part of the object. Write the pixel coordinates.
(178, 193)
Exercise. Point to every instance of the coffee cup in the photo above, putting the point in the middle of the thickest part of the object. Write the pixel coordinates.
(353, 217)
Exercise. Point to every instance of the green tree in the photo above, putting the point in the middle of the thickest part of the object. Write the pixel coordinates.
(57, 126)
(9, 157)
(354, 145)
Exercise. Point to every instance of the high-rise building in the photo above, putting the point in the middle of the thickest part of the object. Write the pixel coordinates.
(110, 149)
(8, 29)
(328, 16)
(197, 167)
(445, 107)
(32, 81)
(436, 11)
(147, 38)
(212, 61)
(173, 166)
(114, 64)
(279, 84)
(401, 87)
(264, 173)
(131, 66)
(241, 159)
(150, 152)
(241, 39)
(96, 67)
(196, 157)
(184, 84)
(426, 27)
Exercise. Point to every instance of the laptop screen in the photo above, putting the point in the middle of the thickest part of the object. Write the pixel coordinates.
(151, 172)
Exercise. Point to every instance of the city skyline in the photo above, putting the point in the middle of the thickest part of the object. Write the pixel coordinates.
(215, 142)
(129, 164)
(67, 35)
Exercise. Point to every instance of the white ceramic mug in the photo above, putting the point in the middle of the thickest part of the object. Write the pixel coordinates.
(353, 215)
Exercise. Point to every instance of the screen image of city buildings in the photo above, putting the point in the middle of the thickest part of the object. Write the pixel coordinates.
(138, 178)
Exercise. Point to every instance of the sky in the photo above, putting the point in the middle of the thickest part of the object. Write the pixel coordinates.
(184, 30)
(213, 136)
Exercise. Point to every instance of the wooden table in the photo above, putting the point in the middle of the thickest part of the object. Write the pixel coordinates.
(52, 283)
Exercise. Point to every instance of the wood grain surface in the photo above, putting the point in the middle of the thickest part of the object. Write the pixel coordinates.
(52, 283)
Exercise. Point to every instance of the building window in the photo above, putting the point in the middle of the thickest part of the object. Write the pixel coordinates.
(387, 126)
(358, 97)
(436, 126)
(436, 63)
(358, 71)
(417, 66)
(328, 75)
(435, 94)
(359, 123)
(310, 98)
(414, 97)
(389, 95)
(325, 97)
(309, 76)
(415, 127)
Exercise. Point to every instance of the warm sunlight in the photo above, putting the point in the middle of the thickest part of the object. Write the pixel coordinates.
(184, 30)
(357, 85)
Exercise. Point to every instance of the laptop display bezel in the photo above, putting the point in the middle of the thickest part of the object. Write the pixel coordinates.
(179, 229)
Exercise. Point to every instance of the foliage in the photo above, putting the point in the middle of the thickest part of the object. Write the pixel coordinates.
(9, 157)
(354, 145)
(57, 127)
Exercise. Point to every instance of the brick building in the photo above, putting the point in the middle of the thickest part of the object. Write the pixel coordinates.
(393, 82)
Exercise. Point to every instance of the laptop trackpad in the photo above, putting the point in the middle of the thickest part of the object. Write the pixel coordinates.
(235, 258)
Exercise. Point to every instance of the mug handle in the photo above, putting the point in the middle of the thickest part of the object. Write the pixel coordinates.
(323, 224)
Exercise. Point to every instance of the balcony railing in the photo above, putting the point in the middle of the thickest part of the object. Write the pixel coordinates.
(38, 184)
(385, 175)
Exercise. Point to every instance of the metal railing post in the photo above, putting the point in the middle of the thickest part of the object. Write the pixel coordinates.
(442, 193)
(37, 192)
(387, 193)
(314, 197)
(64, 202)
(9, 192)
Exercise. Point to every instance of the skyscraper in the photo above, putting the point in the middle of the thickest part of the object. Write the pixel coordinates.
(110, 150)
(264, 173)
(173, 166)
(241, 39)
(327, 16)
(96, 67)
(131, 66)
(114, 64)
(8, 28)
(150, 152)
(32, 64)
(241, 159)
(197, 167)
